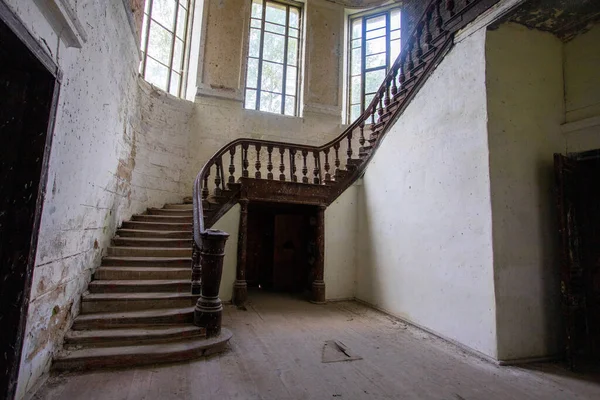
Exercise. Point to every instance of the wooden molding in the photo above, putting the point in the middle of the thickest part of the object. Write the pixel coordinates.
(63, 19)
(580, 125)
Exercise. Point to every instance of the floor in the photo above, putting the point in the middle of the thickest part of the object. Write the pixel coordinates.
(276, 353)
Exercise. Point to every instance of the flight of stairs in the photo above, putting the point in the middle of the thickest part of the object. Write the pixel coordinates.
(138, 308)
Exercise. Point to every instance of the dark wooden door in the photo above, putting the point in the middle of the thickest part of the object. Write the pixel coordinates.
(290, 252)
(578, 201)
(27, 98)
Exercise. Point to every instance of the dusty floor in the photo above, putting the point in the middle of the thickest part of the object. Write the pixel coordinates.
(276, 354)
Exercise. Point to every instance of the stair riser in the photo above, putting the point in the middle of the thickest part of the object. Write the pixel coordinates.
(150, 264)
(163, 218)
(109, 306)
(127, 322)
(154, 234)
(127, 361)
(174, 287)
(148, 252)
(179, 206)
(117, 275)
(172, 212)
(153, 243)
(157, 226)
(129, 341)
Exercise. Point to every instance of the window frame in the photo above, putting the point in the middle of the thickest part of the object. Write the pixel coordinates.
(364, 16)
(287, 35)
(182, 71)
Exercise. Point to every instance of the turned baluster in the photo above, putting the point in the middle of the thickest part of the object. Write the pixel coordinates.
(245, 163)
(304, 167)
(293, 165)
(419, 52)
(373, 112)
(439, 21)
(387, 92)
(402, 78)
(316, 169)
(281, 165)
(349, 152)
(336, 147)
(394, 74)
(380, 106)
(428, 36)
(257, 163)
(361, 140)
(218, 179)
(270, 163)
(231, 166)
(411, 64)
(205, 184)
(327, 166)
(450, 7)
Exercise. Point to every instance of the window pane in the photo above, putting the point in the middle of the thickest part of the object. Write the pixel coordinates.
(255, 23)
(394, 35)
(356, 28)
(159, 43)
(292, 56)
(252, 75)
(250, 99)
(356, 43)
(156, 74)
(163, 11)
(394, 50)
(376, 23)
(276, 13)
(355, 90)
(144, 29)
(368, 99)
(376, 33)
(270, 102)
(290, 80)
(395, 19)
(272, 77)
(254, 43)
(175, 79)
(273, 47)
(354, 112)
(294, 32)
(257, 9)
(177, 55)
(356, 62)
(373, 80)
(378, 60)
(181, 21)
(294, 18)
(376, 46)
(290, 105)
(274, 28)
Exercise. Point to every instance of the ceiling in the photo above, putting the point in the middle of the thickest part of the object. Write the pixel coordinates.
(362, 3)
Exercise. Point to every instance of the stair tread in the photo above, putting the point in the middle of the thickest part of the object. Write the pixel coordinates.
(126, 332)
(160, 233)
(127, 268)
(139, 282)
(137, 296)
(161, 223)
(151, 248)
(144, 349)
(149, 259)
(158, 312)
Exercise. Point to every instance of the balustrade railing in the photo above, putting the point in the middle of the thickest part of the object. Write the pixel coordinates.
(341, 160)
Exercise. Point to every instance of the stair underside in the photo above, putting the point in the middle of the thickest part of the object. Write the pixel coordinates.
(138, 309)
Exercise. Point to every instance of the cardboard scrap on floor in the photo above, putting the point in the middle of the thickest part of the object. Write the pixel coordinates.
(336, 351)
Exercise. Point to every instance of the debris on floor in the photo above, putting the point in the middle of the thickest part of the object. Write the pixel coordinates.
(336, 351)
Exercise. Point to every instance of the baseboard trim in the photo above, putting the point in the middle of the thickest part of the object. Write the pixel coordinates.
(528, 360)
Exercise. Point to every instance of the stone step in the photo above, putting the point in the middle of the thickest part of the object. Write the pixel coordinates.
(140, 286)
(131, 336)
(128, 251)
(142, 273)
(152, 242)
(115, 302)
(185, 212)
(128, 356)
(163, 218)
(161, 262)
(185, 234)
(129, 319)
(179, 206)
(160, 226)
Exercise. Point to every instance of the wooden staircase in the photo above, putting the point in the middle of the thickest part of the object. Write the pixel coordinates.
(139, 308)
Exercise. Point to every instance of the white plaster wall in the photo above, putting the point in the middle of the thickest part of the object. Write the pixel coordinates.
(114, 152)
(230, 223)
(341, 230)
(525, 111)
(424, 226)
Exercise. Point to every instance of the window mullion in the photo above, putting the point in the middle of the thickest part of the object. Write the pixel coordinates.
(363, 64)
(388, 36)
(285, 48)
(173, 39)
(149, 19)
(260, 54)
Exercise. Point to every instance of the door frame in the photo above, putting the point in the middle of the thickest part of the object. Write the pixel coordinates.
(14, 23)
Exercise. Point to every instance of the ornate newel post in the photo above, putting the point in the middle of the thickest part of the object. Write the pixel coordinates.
(318, 286)
(209, 309)
(240, 288)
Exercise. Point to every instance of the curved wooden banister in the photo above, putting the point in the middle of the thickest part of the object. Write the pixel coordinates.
(325, 164)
